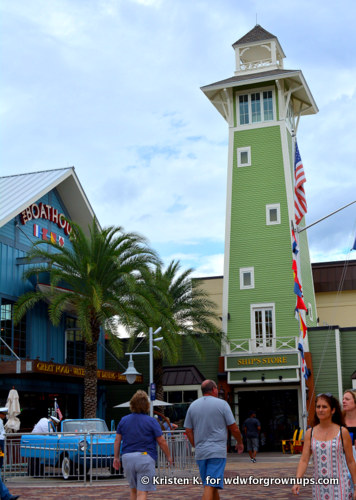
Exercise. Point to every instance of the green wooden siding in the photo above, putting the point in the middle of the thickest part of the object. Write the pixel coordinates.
(255, 244)
(323, 349)
(348, 355)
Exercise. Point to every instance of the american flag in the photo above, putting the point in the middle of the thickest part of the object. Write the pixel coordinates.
(58, 411)
(300, 202)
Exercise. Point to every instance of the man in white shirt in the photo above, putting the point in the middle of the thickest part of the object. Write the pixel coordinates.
(3, 413)
(46, 425)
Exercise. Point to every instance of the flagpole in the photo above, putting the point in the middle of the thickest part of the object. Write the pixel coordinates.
(323, 218)
(302, 378)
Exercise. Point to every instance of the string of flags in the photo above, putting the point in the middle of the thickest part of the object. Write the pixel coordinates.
(300, 306)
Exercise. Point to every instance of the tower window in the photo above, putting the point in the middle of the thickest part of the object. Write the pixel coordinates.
(247, 278)
(263, 325)
(273, 214)
(244, 157)
(256, 107)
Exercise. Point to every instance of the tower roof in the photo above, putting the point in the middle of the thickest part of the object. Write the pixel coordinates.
(257, 34)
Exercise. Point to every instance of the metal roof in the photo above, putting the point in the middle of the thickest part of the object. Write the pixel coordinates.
(17, 192)
(182, 375)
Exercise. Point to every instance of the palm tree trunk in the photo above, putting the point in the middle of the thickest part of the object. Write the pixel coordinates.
(90, 377)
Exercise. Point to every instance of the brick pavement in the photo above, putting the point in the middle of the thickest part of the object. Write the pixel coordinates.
(273, 465)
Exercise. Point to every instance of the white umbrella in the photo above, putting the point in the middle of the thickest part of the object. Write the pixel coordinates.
(156, 402)
(13, 405)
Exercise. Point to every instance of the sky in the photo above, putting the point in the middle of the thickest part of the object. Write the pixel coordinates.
(112, 87)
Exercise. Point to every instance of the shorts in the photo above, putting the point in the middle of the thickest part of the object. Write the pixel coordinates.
(252, 444)
(212, 471)
(139, 470)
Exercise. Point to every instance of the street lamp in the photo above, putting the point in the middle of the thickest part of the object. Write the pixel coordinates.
(131, 371)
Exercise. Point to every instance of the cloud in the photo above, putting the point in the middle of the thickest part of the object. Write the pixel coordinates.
(113, 87)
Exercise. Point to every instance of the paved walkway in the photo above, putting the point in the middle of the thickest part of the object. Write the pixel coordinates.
(268, 465)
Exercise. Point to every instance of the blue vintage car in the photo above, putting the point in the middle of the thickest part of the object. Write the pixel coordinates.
(80, 445)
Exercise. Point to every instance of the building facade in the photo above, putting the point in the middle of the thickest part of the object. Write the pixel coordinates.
(262, 105)
(42, 361)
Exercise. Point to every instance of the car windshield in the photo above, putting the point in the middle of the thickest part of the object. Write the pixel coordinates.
(85, 426)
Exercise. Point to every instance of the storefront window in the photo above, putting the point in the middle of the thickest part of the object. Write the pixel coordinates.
(75, 344)
(13, 335)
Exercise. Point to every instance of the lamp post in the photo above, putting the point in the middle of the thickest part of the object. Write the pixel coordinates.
(131, 371)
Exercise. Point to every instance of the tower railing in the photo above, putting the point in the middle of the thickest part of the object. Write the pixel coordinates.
(273, 344)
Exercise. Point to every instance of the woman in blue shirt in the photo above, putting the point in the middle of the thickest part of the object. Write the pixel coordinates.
(139, 434)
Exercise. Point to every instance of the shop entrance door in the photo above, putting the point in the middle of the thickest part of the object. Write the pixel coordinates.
(276, 410)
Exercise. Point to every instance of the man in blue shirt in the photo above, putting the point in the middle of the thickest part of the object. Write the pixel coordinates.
(252, 428)
(207, 423)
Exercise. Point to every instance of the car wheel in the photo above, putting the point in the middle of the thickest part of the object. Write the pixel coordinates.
(35, 468)
(67, 467)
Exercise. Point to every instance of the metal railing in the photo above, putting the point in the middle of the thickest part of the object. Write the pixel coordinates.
(183, 455)
(86, 460)
(263, 346)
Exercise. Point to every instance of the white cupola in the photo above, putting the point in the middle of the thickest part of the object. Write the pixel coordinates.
(257, 51)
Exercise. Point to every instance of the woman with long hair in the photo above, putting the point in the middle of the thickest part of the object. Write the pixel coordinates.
(330, 444)
(349, 407)
(140, 435)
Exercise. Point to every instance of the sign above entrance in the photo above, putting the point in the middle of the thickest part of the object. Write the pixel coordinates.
(77, 371)
(265, 361)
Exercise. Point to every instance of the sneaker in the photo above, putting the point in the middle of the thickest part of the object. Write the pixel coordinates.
(254, 460)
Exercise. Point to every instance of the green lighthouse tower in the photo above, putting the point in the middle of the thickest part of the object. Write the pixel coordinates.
(262, 104)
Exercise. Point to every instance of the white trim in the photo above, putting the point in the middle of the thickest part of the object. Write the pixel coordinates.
(310, 312)
(183, 388)
(225, 304)
(246, 270)
(258, 90)
(253, 308)
(273, 206)
(264, 383)
(338, 363)
(244, 150)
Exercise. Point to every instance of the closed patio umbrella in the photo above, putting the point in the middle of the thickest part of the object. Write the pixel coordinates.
(12, 403)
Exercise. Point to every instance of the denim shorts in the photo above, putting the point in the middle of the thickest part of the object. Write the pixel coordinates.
(139, 470)
(252, 444)
(212, 472)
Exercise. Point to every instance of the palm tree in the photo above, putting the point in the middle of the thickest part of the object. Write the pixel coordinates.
(102, 274)
(183, 309)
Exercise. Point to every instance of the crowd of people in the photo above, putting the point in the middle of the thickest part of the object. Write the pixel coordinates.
(330, 441)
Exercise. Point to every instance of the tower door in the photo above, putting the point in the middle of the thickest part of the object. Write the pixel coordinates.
(277, 410)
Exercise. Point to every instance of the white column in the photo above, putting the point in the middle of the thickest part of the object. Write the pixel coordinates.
(338, 363)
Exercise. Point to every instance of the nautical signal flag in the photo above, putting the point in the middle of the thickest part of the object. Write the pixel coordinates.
(295, 248)
(303, 327)
(300, 201)
(300, 304)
